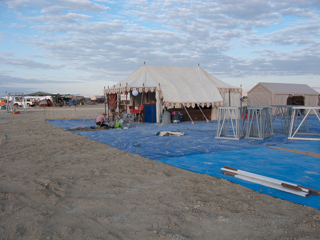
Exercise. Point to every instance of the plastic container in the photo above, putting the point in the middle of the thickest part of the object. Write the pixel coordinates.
(166, 117)
(175, 117)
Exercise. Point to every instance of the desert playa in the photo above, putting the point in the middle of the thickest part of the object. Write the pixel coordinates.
(56, 184)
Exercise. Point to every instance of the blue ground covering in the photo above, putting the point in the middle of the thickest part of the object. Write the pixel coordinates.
(290, 167)
(199, 151)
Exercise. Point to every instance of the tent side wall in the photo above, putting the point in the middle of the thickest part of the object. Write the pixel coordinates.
(231, 96)
(280, 99)
(309, 100)
(259, 96)
(228, 95)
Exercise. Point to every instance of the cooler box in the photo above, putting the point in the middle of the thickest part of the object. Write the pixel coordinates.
(175, 117)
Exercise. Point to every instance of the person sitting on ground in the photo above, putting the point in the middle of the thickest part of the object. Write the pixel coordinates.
(101, 120)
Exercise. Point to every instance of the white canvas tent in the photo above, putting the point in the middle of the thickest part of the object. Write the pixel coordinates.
(93, 98)
(179, 87)
(266, 94)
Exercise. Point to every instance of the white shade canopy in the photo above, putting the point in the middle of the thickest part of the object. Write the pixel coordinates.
(187, 85)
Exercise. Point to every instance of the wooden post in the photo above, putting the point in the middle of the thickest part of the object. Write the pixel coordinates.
(119, 98)
(126, 98)
(105, 100)
(142, 98)
(108, 104)
(296, 151)
(75, 108)
(142, 95)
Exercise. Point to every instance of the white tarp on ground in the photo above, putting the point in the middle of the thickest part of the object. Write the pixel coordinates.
(180, 85)
(265, 94)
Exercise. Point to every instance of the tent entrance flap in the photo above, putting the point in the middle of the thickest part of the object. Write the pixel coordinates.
(298, 100)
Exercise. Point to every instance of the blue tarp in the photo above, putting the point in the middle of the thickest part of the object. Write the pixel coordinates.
(199, 151)
(286, 166)
(199, 138)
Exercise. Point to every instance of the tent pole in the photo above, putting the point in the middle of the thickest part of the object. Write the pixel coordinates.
(159, 107)
(203, 114)
(126, 97)
(126, 101)
(107, 95)
(75, 108)
(105, 102)
(142, 101)
(188, 113)
(119, 99)
(142, 96)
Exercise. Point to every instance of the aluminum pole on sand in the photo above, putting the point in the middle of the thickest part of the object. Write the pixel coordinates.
(270, 182)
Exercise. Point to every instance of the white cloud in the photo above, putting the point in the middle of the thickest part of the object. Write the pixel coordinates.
(75, 5)
(16, 25)
(56, 10)
(106, 40)
(25, 63)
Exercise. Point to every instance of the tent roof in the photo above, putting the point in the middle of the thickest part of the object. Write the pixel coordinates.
(288, 88)
(177, 84)
(41, 94)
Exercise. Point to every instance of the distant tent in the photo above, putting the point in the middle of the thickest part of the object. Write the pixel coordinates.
(41, 94)
(179, 87)
(56, 97)
(266, 94)
(97, 97)
(45, 103)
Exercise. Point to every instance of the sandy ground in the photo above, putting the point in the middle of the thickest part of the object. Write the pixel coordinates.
(56, 184)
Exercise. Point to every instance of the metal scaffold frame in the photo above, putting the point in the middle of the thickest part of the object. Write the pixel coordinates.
(231, 122)
(11, 101)
(298, 114)
(259, 123)
(282, 112)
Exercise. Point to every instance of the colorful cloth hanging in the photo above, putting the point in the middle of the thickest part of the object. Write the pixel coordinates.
(112, 101)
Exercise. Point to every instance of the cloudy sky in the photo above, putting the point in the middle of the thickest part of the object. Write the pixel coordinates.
(80, 46)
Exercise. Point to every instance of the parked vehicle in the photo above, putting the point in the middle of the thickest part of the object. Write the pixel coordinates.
(17, 104)
(29, 102)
